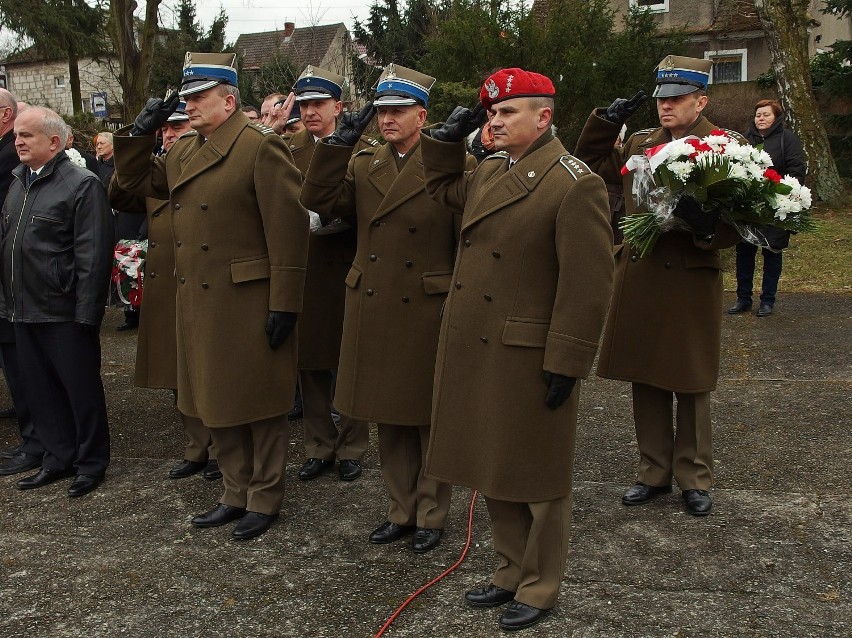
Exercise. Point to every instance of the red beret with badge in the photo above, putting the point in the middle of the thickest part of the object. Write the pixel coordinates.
(507, 84)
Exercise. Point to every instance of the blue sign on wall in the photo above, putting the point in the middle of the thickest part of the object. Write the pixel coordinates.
(99, 105)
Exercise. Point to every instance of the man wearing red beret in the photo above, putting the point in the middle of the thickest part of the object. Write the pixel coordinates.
(532, 280)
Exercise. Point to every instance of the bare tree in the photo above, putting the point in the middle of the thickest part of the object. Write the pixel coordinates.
(135, 54)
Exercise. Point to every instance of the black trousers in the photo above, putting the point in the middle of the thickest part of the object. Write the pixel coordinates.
(29, 439)
(772, 262)
(60, 366)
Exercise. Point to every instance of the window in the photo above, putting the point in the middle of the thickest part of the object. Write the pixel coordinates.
(728, 66)
(59, 82)
(654, 6)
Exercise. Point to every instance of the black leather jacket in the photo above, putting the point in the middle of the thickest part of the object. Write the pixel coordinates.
(56, 246)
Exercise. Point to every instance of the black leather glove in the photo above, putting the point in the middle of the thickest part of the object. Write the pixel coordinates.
(702, 223)
(352, 126)
(279, 325)
(619, 111)
(461, 123)
(155, 114)
(559, 388)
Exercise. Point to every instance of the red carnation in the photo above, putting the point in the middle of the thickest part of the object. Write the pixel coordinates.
(772, 176)
(718, 131)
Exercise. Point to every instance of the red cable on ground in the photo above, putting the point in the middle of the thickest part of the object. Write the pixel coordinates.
(435, 580)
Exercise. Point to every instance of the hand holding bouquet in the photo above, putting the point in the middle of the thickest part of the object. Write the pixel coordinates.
(728, 179)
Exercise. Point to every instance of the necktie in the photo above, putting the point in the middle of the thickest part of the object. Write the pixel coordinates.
(31, 175)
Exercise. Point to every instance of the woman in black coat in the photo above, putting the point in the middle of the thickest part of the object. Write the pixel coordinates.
(788, 158)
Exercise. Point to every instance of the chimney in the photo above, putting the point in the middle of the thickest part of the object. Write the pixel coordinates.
(289, 27)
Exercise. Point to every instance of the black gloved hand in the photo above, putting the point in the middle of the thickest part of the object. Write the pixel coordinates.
(559, 388)
(279, 325)
(702, 223)
(155, 114)
(461, 123)
(352, 126)
(619, 111)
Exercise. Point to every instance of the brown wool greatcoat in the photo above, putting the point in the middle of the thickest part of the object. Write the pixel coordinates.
(156, 349)
(241, 241)
(665, 322)
(531, 285)
(329, 259)
(397, 283)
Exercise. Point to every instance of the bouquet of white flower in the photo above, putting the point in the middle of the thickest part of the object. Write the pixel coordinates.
(75, 157)
(719, 173)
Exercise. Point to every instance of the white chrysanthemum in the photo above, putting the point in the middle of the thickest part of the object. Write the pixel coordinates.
(678, 148)
(762, 158)
(737, 152)
(755, 171)
(681, 170)
(737, 171)
(716, 142)
(75, 157)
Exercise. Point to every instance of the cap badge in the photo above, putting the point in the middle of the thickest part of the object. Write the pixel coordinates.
(668, 65)
(491, 88)
(308, 71)
(391, 72)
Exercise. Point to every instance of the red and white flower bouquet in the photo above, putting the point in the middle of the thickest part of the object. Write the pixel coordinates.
(128, 270)
(720, 173)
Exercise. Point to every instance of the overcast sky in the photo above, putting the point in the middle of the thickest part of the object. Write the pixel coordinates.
(252, 16)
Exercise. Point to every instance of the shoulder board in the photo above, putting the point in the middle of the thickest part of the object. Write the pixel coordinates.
(497, 155)
(645, 131)
(370, 141)
(263, 129)
(368, 151)
(190, 133)
(574, 166)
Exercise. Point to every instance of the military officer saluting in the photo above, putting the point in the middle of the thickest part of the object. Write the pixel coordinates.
(531, 285)
(394, 293)
(665, 323)
(330, 256)
(240, 240)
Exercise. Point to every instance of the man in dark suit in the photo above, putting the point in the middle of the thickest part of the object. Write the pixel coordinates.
(27, 455)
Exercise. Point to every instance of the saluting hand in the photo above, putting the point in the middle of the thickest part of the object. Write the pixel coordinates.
(155, 114)
(619, 111)
(352, 126)
(558, 390)
(461, 123)
(279, 325)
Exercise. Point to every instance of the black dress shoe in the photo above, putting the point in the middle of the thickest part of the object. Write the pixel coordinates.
(11, 452)
(698, 502)
(520, 616)
(211, 471)
(8, 413)
(764, 310)
(44, 477)
(741, 306)
(186, 468)
(312, 468)
(21, 462)
(389, 532)
(220, 515)
(85, 483)
(127, 325)
(490, 596)
(640, 493)
(253, 525)
(349, 470)
(426, 539)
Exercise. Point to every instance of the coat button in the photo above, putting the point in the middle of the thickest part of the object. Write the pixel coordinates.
(204, 207)
(183, 280)
(177, 206)
(409, 263)
(205, 247)
(370, 292)
(373, 258)
(205, 285)
(458, 285)
(495, 254)
(153, 244)
(668, 264)
(377, 223)
(487, 297)
(634, 258)
(467, 243)
(178, 243)
(152, 275)
(484, 339)
(412, 229)
(405, 300)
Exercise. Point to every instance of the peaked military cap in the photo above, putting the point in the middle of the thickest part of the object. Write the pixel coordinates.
(679, 75)
(399, 86)
(180, 113)
(318, 84)
(295, 115)
(202, 71)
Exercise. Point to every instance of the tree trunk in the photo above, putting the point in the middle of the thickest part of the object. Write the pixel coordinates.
(134, 58)
(74, 80)
(785, 24)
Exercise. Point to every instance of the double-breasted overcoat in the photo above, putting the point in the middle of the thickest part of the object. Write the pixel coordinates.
(529, 293)
(398, 281)
(665, 323)
(240, 239)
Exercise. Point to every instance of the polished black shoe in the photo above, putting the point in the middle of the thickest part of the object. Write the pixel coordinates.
(127, 325)
(312, 468)
(490, 596)
(764, 310)
(741, 306)
(698, 502)
(44, 477)
(220, 515)
(389, 532)
(426, 539)
(640, 493)
(294, 415)
(11, 452)
(20, 462)
(253, 525)
(186, 468)
(85, 483)
(349, 470)
(211, 471)
(520, 616)
(8, 413)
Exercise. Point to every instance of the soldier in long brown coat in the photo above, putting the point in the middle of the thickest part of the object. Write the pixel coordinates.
(394, 294)
(330, 255)
(664, 328)
(241, 240)
(156, 348)
(531, 284)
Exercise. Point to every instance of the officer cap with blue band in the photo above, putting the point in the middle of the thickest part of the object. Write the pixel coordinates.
(180, 113)
(679, 75)
(316, 83)
(399, 86)
(295, 115)
(202, 71)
